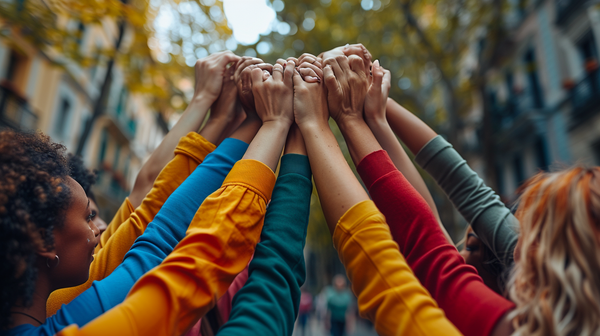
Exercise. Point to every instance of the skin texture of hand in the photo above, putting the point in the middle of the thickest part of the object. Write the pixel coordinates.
(347, 82)
(376, 99)
(209, 72)
(310, 102)
(273, 96)
(245, 92)
(350, 49)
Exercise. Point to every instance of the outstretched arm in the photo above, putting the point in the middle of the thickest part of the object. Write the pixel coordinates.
(491, 220)
(269, 300)
(388, 293)
(190, 121)
(375, 106)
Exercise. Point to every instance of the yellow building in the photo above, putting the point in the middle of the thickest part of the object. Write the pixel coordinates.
(35, 94)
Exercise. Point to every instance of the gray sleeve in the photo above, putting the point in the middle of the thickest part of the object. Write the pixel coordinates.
(481, 207)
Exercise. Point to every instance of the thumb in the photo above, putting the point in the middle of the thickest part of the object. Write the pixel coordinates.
(377, 77)
(298, 81)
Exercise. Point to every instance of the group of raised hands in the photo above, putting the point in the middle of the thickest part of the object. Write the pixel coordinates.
(342, 83)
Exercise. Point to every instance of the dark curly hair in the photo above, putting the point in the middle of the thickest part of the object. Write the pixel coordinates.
(85, 177)
(33, 200)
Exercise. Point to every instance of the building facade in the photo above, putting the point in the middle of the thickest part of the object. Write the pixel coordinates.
(545, 92)
(36, 94)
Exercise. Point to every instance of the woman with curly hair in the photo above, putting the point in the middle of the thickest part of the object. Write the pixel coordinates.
(556, 279)
(46, 232)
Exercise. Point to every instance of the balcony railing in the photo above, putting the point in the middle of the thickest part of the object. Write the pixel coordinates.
(15, 112)
(585, 97)
(566, 8)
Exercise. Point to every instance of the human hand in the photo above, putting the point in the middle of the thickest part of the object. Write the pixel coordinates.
(243, 80)
(350, 49)
(312, 59)
(346, 79)
(310, 99)
(209, 72)
(224, 108)
(273, 94)
(377, 95)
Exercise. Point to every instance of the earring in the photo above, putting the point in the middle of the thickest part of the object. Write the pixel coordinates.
(57, 261)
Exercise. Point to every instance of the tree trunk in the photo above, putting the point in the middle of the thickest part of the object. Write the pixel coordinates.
(100, 103)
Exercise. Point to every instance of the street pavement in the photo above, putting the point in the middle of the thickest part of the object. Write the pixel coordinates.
(317, 328)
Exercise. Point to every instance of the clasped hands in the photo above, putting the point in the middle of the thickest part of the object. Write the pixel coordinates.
(342, 83)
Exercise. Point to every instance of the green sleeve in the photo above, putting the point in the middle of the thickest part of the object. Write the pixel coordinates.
(491, 220)
(269, 301)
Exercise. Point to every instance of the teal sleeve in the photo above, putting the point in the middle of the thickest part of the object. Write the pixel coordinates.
(481, 207)
(269, 301)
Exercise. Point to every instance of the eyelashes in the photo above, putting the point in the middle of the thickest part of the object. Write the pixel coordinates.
(92, 215)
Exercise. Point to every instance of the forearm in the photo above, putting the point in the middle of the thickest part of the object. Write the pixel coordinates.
(171, 297)
(190, 121)
(337, 186)
(388, 293)
(481, 207)
(388, 141)
(268, 143)
(409, 128)
(471, 306)
(269, 301)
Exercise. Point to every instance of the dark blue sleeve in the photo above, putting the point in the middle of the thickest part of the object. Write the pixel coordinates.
(149, 250)
(269, 301)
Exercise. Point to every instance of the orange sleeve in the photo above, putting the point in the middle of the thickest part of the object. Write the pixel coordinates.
(124, 212)
(218, 245)
(189, 153)
(388, 292)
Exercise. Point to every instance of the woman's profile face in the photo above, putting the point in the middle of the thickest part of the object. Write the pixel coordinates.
(98, 221)
(473, 253)
(74, 241)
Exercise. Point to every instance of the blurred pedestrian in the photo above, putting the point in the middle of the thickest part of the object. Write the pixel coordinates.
(306, 307)
(338, 302)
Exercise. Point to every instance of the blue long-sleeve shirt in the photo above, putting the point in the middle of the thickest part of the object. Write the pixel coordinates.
(149, 250)
(269, 301)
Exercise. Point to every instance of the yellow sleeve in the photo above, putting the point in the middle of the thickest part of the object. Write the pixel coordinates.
(218, 245)
(124, 212)
(189, 153)
(388, 292)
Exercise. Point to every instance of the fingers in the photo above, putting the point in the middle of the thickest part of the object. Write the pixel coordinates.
(257, 76)
(329, 78)
(387, 79)
(246, 78)
(357, 65)
(226, 57)
(309, 75)
(289, 73)
(318, 70)
(266, 75)
(292, 59)
(281, 62)
(360, 51)
(243, 63)
(377, 77)
(334, 65)
(278, 71)
(297, 79)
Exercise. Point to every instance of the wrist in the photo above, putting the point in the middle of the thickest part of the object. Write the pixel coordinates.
(350, 122)
(203, 99)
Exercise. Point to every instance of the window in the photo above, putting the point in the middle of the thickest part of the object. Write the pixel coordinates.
(103, 145)
(596, 150)
(518, 170)
(17, 68)
(533, 80)
(116, 160)
(80, 33)
(62, 119)
(541, 153)
(587, 48)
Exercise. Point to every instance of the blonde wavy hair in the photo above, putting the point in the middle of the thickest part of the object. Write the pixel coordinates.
(555, 283)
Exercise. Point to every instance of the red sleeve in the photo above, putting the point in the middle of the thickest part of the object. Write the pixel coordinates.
(470, 305)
